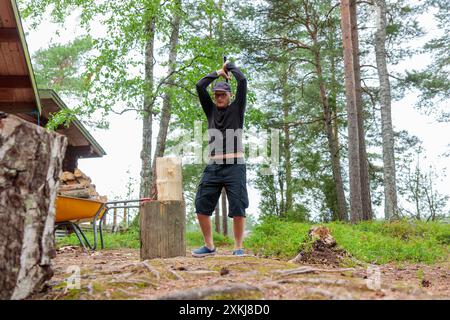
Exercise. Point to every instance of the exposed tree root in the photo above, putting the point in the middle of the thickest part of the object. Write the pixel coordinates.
(307, 269)
(203, 293)
(328, 294)
(176, 275)
(338, 282)
(151, 270)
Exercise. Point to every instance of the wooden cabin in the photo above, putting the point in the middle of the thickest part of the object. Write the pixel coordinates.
(20, 96)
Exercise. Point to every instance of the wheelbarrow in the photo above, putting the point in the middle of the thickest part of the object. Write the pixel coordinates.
(71, 211)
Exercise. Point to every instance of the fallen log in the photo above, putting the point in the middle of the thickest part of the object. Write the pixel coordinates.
(30, 165)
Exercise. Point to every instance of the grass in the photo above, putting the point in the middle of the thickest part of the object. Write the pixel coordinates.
(195, 239)
(130, 239)
(373, 242)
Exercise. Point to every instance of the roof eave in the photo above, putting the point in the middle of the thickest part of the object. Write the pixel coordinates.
(51, 94)
(26, 53)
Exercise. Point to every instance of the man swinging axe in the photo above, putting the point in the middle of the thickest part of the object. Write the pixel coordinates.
(226, 167)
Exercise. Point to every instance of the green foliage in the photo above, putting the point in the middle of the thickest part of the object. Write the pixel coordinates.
(59, 66)
(62, 118)
(112, 77)
(434, 86)
(298, 213)
(282, 50)
(107, 73)
(372, 242)
(433, 81)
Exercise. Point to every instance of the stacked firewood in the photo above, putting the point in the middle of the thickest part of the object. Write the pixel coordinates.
(78, 185)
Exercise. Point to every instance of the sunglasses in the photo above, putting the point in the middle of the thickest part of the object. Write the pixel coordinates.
(220, 95)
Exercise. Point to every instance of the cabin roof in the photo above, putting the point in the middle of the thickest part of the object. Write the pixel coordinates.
(18, 90)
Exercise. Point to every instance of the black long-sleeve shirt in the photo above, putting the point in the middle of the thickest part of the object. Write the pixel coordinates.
(228, 121)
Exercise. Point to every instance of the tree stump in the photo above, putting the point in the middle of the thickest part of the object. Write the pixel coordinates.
(324, 249)
(30, 163)
(163, 222)
(163, 229)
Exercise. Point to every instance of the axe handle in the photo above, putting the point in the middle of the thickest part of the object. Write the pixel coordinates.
(225, 60)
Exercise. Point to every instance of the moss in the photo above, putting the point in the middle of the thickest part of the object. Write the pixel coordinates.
(124, 284)
(119, 295)
(73, 294)
(243, 295)
(61, 285)
(420, 274)
(347, 262)
(314, 296)
(98, 287)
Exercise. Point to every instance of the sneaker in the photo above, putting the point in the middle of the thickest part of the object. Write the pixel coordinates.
(203, 252)
(238, 252)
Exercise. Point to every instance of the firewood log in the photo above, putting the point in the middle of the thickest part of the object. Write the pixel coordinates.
(84, 182)
(71, 187)
(77, 193)
(67, 176)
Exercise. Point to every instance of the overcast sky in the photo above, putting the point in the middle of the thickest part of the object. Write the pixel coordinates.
(122, 142)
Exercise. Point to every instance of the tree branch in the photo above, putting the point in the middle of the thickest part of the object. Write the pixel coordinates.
(374, 67)
(285, 41)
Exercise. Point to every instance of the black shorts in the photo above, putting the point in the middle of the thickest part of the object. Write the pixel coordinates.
(216, 176)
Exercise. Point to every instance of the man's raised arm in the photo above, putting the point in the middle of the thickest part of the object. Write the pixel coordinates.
(241, 91)
(203, 95)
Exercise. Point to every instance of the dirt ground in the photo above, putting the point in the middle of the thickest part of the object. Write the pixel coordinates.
(119, 274)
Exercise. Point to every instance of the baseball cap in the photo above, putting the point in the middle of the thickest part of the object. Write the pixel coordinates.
(222, 86)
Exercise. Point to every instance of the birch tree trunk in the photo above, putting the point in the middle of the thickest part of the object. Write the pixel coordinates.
(387, 132)
(224, 213)
(30, 164)
(166, 110)
(146, 170)
(217, 217)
